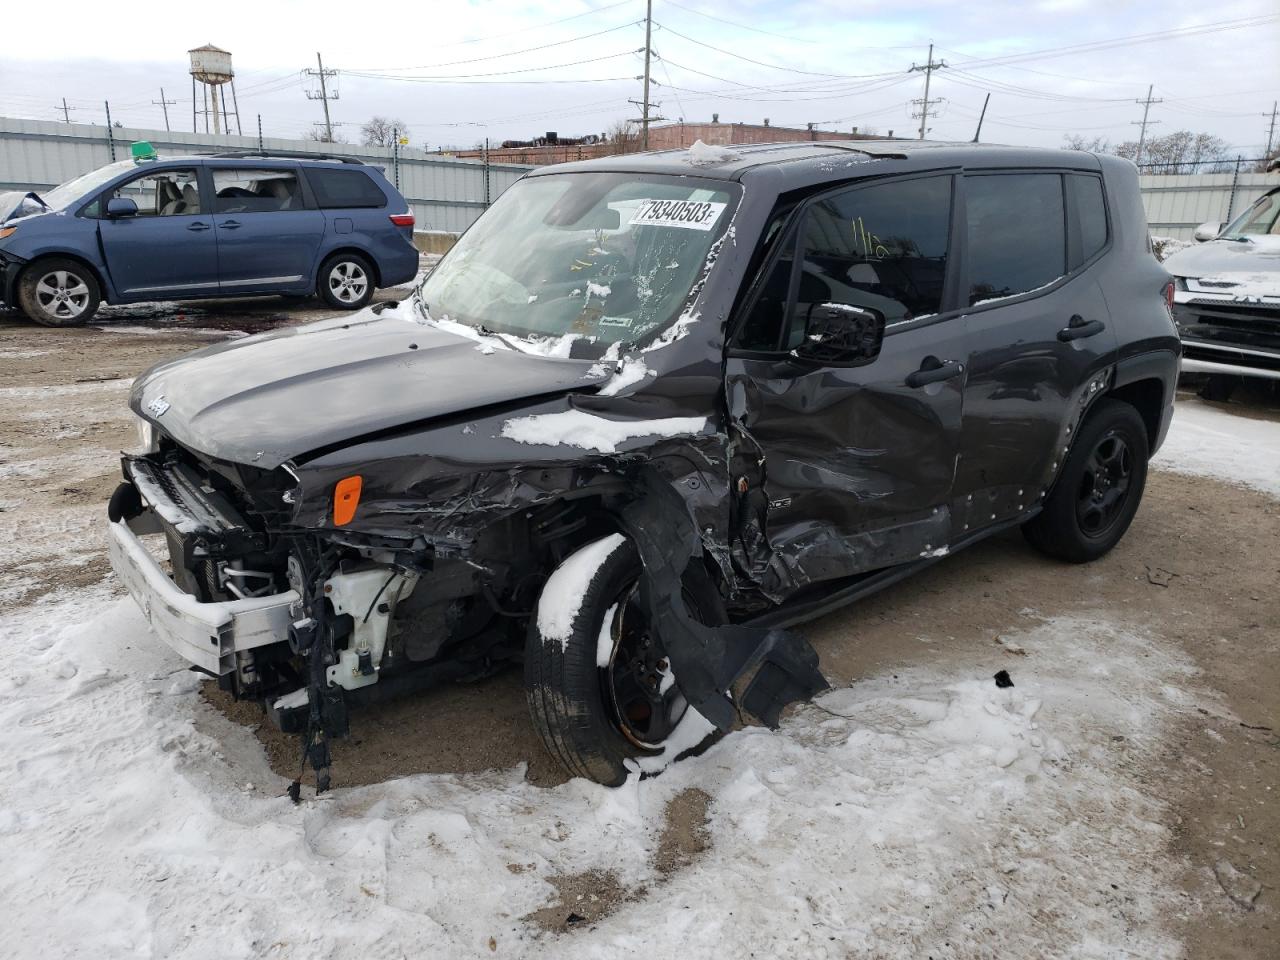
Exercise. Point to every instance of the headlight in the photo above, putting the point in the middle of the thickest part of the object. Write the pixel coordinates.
(7, 232)
(148, 440)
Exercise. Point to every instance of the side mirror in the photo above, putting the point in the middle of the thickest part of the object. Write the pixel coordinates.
(1207, 231)
(121, 207)
(838, 334)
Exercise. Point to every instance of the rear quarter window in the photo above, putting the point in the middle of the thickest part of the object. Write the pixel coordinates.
(1091, 209)
(1017, 234)
(345, 188)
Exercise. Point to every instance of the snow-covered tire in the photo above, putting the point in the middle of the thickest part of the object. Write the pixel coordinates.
(1099, 489)
(588, 714)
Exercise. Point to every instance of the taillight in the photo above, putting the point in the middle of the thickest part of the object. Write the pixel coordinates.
(402, 219)
(1168, 296)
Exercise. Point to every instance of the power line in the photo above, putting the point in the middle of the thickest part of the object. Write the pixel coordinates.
(735, 23)
(773, 66)
(495, 73)
(324, 96)
(499, 56)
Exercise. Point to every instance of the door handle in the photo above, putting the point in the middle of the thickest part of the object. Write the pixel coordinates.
(1078, 328)
(933, 370)
(197, 226)
(230, 224)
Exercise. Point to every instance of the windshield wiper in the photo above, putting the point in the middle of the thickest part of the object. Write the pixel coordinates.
(1238, 238)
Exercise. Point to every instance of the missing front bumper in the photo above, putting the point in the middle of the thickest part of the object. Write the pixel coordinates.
(208, 635)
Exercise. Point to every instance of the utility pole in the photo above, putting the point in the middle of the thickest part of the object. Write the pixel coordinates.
(1271, 131)
(1142, 135)
(927, 70)
(164, 103)
(66, 112)
(324, 95)
(648, 51)
(111, 138)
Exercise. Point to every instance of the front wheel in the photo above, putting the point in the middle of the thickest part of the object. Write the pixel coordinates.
(1099, 489)
(599, 684)
(57, 292)
(346, 281)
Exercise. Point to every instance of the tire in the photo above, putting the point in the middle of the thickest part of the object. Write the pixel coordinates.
(1098, 492)
(345, 281)
(577, 706)
(58, 292)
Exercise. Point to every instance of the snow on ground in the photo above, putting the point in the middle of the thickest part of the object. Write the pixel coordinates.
(927, 813)
(1208, 441)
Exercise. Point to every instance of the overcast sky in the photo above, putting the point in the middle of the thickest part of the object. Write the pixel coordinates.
(830, 62)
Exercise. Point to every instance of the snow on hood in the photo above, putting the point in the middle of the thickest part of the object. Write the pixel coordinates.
(1260, 254)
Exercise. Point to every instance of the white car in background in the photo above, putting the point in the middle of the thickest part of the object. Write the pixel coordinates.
(1227, 298)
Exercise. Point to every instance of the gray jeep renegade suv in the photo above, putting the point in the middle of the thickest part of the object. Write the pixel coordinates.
(647, 415)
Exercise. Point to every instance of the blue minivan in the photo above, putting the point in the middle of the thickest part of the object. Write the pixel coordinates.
(195, 227)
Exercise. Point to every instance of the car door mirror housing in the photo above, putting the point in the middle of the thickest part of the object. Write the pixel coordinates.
(1207, 231)
(121, 207)
(838, 334)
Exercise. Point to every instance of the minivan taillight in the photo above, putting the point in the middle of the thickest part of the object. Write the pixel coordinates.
(402, 219)
(1168, 296)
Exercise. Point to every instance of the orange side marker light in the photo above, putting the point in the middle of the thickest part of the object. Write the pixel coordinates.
(346, 497)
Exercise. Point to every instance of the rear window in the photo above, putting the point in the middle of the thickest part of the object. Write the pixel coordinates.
(1017, 234)
(345, 188)
(1092, 211)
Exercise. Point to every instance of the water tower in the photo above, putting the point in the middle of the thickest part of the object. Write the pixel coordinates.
(211, 67)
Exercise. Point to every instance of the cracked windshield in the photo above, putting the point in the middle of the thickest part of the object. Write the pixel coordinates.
(602, 258)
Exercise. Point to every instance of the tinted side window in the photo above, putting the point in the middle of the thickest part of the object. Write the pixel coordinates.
(1091, 209)
(345, 188)
(882, 247)
(1017, 233)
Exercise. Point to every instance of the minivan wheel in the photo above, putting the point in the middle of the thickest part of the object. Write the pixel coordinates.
(57, 292)
(346, 281)
(1099, 489)
(604, 694)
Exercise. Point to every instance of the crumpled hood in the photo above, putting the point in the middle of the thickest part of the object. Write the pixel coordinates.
(1217, 257)
(281, 395)
(11, 205)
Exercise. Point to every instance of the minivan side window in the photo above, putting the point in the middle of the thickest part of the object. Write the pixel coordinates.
(1091, 211)
(335, 189)
(163, 193)
(241, 190)
(1017, 233)
(881, 247)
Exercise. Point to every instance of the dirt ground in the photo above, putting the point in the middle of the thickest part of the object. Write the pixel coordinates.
(1198, 569)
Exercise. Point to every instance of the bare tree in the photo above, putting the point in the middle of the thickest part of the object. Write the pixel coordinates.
(381, 131)
(622, 137)
(318, 135)
(1074, 141)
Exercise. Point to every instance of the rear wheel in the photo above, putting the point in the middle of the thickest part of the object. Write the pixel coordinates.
(346, 281)
(1099, 489)
(599, 684)
(57, 292)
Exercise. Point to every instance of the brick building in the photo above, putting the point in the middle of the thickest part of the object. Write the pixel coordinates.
(667, 136)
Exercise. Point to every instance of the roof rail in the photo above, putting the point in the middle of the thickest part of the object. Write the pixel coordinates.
(281, 154)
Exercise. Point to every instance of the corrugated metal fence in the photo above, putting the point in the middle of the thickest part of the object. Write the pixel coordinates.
(446, 194)
(1179, 203)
